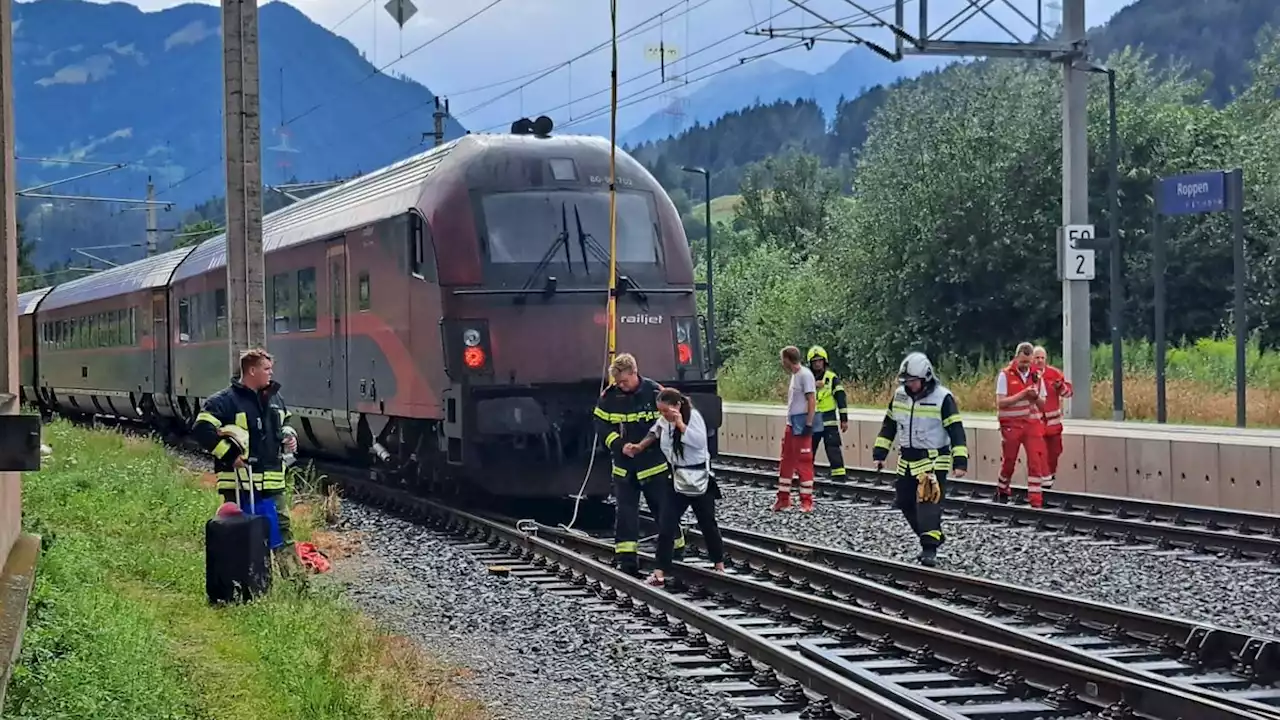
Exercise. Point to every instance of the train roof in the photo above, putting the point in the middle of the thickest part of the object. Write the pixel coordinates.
(28, 300)
(378, 195)
(152, 272)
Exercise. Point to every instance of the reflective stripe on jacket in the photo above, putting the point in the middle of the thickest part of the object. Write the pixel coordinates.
(238, 422)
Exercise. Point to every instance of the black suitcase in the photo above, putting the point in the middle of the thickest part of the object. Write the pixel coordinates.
(236, 561)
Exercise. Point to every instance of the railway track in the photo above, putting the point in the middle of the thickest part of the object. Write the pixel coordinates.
(803, 653)
(1213, 662)
(1165, 526)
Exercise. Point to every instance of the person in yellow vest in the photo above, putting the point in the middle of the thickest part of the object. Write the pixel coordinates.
(832, 406)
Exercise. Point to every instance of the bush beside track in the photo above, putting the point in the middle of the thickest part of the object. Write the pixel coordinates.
(118, 625)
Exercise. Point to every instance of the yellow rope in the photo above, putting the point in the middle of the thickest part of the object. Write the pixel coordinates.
(612, 313)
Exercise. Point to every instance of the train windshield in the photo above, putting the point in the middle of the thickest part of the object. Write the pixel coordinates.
(568, 229)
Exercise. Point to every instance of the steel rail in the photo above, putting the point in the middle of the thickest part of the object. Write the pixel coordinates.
(1212, 662)
(1166, 526)
(883, 702)
(1061, 683)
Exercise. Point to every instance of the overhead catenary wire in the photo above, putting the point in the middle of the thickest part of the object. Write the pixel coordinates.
(401, 58)
(645, 93)
(612, 42)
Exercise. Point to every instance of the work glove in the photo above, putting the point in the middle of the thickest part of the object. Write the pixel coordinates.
(807, 432)
(927, 490)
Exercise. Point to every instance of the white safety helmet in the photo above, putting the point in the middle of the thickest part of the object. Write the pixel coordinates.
(916, 365)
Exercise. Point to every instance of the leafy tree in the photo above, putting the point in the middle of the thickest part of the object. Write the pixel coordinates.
(196, 233)
(788, 199)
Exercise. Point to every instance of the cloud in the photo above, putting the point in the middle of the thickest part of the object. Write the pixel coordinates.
(94, 68)
(192, 33)
(82, 151)
(126, 51)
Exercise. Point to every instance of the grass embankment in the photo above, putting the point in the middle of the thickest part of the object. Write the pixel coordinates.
(1200, 384)
(118, 624)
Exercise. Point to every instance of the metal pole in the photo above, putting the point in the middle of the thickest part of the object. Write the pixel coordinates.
(1157, 270)
(10, 482)
(246, 304)
(439, 116)
(1117, 256)
(1075, 211)
(711, 285)
(1235, 188)
(151, 218)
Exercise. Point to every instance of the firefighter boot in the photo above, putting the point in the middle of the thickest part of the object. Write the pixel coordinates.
(1035, 498)
(783, 502)
(806, 502)
(928, 555)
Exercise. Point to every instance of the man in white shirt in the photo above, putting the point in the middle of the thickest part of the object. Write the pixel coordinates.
(797, 437)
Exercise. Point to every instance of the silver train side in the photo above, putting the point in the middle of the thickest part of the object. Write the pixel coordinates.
(442, 319)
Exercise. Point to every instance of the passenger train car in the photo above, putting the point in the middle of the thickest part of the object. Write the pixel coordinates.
(443, 317)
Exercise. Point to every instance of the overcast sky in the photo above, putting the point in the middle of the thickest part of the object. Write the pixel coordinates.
(517, 38)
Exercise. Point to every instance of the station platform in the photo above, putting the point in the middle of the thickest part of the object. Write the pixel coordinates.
(1226, 467)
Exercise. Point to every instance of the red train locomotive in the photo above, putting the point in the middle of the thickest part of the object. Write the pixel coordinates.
(443, 317)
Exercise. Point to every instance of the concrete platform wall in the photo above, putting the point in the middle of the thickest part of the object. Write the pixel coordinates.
(1190, 465)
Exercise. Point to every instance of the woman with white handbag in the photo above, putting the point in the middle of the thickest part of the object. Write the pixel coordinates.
(682, 434)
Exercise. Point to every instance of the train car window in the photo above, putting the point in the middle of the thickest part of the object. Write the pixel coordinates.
(562, 169)
(364, 290)
(417, 244)
(281, 302)
(220, 313)
(184, 320)
(133, 327)
(307, 299)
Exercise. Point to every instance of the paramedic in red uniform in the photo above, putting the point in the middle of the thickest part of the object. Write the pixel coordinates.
(1056, 387)
(1020, 394)
(797, 436)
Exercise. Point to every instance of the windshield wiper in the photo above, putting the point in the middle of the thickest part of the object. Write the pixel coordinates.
(587, 240)
(561, 238)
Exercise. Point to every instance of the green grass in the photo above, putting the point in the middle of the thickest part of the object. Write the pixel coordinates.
(723, 209)
(118, 625)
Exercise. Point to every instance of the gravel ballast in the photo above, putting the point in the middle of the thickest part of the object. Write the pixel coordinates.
(533, 655)
(1231, 593)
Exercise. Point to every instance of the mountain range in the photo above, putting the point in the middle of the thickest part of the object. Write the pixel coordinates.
(109, 83)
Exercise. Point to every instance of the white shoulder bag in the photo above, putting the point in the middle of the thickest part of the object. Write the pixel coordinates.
(691, 481)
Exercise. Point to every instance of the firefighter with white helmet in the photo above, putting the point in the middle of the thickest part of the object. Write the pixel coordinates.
(925, 420)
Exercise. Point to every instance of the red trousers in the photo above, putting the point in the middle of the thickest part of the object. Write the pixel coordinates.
(1053, 448)
(1029, 435)
(797, 459)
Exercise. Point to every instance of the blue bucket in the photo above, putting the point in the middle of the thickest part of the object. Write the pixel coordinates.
(265, 507)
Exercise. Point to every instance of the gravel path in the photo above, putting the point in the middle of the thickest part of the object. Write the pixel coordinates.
(534, 655)
(1219, 591)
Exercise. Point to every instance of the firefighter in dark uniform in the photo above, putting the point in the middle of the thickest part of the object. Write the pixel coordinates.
(626, 411)
(832, 406)
(925, 419)
(244, 425)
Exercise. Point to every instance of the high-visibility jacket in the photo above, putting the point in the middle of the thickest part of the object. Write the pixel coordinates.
(830, 397)
(236, 422)
(1024, 410)
(928, 428)
(1056, 387)
(626, 417)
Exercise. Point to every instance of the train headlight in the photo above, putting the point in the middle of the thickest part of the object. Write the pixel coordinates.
(682, 333)
(471, 337)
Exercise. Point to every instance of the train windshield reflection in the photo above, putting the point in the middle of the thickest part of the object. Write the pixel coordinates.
(519, 226)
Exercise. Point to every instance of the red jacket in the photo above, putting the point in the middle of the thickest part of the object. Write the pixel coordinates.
(1056, 387)
(1023, 411)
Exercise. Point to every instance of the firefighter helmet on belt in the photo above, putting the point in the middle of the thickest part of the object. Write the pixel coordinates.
(916, 365)
(816, 352)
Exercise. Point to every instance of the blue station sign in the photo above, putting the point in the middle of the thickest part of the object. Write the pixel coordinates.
(1204, 192)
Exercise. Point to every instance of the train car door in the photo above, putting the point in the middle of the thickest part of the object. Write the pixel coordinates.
(159, 330)
(336, 254)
